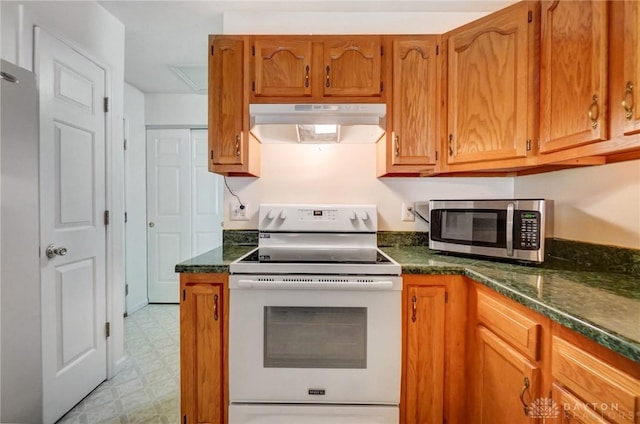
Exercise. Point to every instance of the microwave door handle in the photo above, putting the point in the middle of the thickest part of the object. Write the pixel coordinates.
(510, 210)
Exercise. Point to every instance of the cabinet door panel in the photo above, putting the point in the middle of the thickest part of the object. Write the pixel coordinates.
(425, 355)
(202, 354)
(573, 410)
(631, 90)
(573, 76)
(414, 135)
(282, 67)
(501, 376)
(490, 78)
(352, 66)
(226, 101)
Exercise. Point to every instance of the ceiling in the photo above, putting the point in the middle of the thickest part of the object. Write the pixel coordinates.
(166, 41)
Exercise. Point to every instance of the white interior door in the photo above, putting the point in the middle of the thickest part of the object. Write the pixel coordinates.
(72, 205)
(184, 206)
(168, 210)
(206, 201)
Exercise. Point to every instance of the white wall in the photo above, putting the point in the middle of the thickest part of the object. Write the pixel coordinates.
(598, 204)
(87, 27)
(185, 110)
(135, 199)
(346, 173)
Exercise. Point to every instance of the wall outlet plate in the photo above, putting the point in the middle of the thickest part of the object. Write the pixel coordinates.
(406, 214)
(238, 212)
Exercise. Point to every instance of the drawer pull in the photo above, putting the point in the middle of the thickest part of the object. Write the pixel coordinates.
(594, 112)
(525, 386)
(627, 102)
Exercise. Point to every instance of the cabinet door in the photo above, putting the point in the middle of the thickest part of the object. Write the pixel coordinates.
(630, 99)
(573, 74)
(282, 67)
(573, 411)
(424, 355)
(414, 92)
(504, 380)
(352, 66)
(227, 101)
(201, 345)
(491, 93)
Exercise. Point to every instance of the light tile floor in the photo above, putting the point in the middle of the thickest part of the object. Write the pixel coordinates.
(147, 387)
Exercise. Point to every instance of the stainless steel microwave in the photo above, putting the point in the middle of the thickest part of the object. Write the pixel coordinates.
(502, 228)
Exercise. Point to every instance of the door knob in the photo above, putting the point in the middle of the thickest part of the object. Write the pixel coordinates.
(53, 251)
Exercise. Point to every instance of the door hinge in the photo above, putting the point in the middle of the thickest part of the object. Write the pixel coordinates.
(211, 50)
(126, 289)
(253, 50)
(106, 104)
(253, 86)
(446, 297)
(211, 155)
(184, 295)
(126, 217)
(530, 16)
(107, 328)
(184, 419)
(125, 144)
(437, 49)
(381, 50)
(436, 155)
(381, 86)
(106, 217)
(528, 144)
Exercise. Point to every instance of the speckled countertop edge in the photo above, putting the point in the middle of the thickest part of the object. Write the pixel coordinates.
(506, 283)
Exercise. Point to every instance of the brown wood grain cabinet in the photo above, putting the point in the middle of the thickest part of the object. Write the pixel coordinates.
(433, 371)
(573, 74)
(411, 138)
(317, 68)
(492, 90)
(203, 348)
(232, 148)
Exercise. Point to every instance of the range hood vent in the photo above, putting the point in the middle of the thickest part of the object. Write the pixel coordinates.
(318, 114)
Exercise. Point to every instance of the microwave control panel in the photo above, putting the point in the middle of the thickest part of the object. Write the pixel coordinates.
(527, 230)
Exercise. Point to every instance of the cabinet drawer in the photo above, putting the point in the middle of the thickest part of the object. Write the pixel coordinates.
(519, 330)
(614, 394)
(573, 410)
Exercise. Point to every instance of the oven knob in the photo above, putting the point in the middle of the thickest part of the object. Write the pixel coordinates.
(283, 214)
(353, 216)
(270, 214)
(364, 215)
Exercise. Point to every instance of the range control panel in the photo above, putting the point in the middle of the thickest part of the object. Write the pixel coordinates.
(317, 218)
(527, 230)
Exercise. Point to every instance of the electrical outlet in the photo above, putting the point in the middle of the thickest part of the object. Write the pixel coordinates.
(407, 214)
(238, 212)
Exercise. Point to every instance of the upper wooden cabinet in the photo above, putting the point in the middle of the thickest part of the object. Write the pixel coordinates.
(412, 116)
(317, 68)
(492, 87)
(232, 149)
(573, 74)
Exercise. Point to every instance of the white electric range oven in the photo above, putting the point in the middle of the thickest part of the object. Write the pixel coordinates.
(315, 320)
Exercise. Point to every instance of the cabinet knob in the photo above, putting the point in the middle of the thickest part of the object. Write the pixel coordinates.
(238, 142)
(396, 143)
(328, 77)
(594, 112)
(306, 76)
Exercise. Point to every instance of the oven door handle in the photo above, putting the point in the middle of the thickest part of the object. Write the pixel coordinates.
(336, 285)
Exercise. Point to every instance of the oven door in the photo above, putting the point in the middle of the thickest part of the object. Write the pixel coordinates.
(314, 346)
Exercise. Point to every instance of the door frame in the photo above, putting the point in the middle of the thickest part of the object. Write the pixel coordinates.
(112, 250)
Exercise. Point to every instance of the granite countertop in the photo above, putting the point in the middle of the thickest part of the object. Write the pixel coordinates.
(603, 306)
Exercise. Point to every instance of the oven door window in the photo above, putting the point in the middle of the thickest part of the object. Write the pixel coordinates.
(470, 227)
(315, 337)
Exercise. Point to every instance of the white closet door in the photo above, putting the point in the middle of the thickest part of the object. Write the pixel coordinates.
(206, 202)
(168, 210)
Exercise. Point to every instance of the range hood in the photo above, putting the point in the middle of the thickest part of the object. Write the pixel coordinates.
(318, 114)
(318, 123)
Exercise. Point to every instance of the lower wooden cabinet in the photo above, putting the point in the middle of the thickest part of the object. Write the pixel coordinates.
(203, 341)
(433, 377)
(574, 411)
(506, 382)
